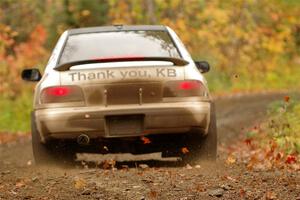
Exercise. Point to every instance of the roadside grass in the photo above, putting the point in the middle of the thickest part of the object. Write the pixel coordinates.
(279, 79)
(15, 114)
(274, 143)
(282, 126)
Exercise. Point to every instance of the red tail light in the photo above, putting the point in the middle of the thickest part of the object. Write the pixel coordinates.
(189, 85)
(61, 94)
(187, 88)
(58, 91)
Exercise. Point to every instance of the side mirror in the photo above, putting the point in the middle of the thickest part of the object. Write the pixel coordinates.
(202, 66)
(31, 75)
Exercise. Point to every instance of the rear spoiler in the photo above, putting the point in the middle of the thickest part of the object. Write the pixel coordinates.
(67, 66)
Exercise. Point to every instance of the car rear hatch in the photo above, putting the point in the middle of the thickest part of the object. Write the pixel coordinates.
(118, 86)
(108, 86)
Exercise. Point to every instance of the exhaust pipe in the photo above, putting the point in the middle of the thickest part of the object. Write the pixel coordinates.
(83, 139)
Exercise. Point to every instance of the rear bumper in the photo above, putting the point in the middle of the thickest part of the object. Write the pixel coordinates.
(159, 118)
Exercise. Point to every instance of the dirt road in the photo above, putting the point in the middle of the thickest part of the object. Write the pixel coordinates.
(20, 179)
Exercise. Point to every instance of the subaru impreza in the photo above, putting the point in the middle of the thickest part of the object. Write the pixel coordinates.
(122, 88)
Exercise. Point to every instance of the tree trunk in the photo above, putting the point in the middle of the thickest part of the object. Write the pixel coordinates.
(150, 10)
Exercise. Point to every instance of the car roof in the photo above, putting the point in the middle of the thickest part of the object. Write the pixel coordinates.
(118, 27)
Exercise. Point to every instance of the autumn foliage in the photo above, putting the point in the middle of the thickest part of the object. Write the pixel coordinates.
(274, 143)
(251, 45)
(17, 56)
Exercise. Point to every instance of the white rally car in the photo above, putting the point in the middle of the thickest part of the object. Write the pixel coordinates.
(122, 88)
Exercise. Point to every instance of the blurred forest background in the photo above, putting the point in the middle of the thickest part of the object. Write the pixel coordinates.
(252, 45)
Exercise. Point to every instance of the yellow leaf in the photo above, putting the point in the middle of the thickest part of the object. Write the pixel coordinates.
(79, 183)
(231, 160)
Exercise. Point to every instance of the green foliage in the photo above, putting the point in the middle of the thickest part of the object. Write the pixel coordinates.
(251, 45)
(74, 14)
(284, 124)
(275, 142)
(15, 115)
(257, 41)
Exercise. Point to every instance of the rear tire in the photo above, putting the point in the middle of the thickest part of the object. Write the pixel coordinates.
(52, 152)
(202, 148)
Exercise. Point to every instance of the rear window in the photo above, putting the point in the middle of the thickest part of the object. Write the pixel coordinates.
(118, 45)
